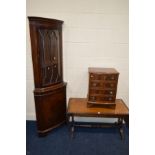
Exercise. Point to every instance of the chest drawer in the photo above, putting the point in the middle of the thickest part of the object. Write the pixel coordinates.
(103, 77)
(110, 85)
(111, 77)
(94, 84)
(102, 84)
(101, 99)
(102, 92)
(96, 76)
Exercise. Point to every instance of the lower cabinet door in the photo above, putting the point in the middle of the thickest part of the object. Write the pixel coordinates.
(50, 109)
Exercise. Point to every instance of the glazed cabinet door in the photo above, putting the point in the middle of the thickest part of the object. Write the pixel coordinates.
(50, 56)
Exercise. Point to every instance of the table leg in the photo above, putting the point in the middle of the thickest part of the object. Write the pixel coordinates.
(67, 119)
(72, 126)
(68, 122)
(120, 122)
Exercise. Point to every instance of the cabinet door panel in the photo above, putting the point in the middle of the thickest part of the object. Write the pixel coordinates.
(50, 109)
(50, 56)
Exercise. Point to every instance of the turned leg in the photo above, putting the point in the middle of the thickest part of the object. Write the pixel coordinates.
(119, 120)
(72, 126)
(126, 119)
(67, 119)
(68, 122)
(121, 130)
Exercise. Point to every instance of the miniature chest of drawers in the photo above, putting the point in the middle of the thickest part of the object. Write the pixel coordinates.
(102, 86)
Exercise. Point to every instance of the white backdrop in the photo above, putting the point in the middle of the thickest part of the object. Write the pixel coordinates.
(95, 33)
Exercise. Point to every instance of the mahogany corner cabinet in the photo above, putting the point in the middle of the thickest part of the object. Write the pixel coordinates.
(50, 89)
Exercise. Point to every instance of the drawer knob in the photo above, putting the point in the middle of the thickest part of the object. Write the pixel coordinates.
(91, 76)
(48, 68)
(92, 97)
(94, 84)
(111, 92)
(112, 85)
(54, 58)
(112, 78)
(110, 99)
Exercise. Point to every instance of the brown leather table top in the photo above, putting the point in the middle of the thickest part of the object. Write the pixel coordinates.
(78, 107)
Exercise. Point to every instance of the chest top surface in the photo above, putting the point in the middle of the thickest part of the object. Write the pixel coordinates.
(98, 70)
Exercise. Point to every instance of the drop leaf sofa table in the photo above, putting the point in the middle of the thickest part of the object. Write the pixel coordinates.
(77, 107)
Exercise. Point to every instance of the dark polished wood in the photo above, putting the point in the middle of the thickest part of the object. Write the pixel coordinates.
(102, 86)
(50, 90)
(46, 44)
(77, 107)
